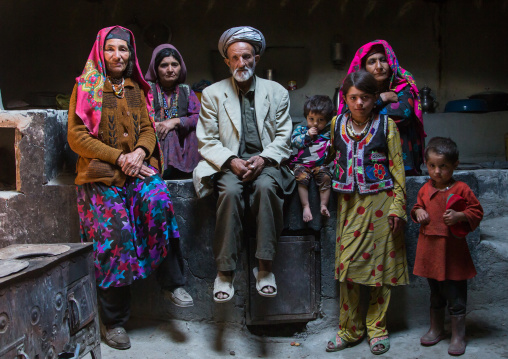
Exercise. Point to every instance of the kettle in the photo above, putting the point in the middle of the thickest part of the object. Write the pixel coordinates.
(429, 104)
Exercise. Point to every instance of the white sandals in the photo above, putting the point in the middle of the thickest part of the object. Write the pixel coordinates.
(265, 279)
(223, 284)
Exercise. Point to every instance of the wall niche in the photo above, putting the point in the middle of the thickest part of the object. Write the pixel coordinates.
(9, 138)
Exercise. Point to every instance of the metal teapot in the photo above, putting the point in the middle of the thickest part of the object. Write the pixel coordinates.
(429, 104)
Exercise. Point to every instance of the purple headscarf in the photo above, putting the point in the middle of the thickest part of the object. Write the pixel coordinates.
(151, 74)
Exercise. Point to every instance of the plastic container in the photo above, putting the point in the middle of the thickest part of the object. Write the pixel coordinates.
(466, 105)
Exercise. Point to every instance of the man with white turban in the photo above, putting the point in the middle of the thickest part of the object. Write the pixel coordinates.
(244, 134)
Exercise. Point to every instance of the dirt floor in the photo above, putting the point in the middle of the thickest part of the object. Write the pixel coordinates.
(487, 332)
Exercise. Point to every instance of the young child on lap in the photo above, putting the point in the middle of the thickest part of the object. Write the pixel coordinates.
(313, 143)
(446, 210)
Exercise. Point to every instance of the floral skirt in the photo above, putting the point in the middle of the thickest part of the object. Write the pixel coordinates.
(130, 227)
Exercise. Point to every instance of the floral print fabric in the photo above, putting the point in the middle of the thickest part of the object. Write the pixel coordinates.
(130, 227)
(91, 82)
(407, 112)
(351, 326)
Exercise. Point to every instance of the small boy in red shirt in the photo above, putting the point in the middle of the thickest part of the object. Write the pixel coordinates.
(447, 210)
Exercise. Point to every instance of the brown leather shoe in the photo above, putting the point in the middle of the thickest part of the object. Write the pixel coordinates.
(116, 338)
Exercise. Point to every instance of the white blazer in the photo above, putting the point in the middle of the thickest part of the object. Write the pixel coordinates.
(220, 126)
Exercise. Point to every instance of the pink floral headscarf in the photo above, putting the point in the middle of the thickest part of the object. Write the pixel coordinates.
(91, 82)
(400, 78)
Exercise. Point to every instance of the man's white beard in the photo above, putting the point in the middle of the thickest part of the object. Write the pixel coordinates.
(246, 73)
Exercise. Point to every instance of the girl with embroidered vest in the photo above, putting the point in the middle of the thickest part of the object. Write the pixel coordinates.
(369, 176)
(447, 210)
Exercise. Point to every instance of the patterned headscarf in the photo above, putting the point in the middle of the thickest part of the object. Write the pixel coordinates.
(242, 34)
(151, 74)
(119, 33)
(400, 77)
(91, 82)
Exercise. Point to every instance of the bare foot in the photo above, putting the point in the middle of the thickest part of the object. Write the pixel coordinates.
(307, 214)
(268, 289)
(266, 266)
(339, 342)
(222, 295)
(324, 211)
(377, 347)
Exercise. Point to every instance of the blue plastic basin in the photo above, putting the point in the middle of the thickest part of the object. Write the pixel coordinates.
(466, 105)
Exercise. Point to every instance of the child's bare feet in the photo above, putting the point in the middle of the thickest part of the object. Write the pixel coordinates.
(307, 214)
(324, 211)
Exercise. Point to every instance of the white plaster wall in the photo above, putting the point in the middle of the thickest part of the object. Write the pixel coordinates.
(479, 136)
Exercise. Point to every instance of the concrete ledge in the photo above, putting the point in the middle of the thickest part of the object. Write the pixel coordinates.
(45, 212)
(196, 219)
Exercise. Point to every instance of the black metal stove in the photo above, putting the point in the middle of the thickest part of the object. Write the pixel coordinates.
(50, 306)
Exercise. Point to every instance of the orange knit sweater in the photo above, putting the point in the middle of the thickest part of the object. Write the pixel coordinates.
(125, 126)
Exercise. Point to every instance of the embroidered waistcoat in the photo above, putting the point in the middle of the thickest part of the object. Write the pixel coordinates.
(183, 101)
(363, 164)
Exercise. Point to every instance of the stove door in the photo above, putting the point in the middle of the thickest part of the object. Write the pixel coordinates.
(81, 304)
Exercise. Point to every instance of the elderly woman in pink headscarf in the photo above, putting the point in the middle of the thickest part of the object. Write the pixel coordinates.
(398, 98)
(176, 109)
(124, 206)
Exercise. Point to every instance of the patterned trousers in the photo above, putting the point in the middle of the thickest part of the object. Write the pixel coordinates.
(130, 227)
(351, 327)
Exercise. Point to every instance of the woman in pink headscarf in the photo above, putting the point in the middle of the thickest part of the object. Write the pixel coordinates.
(398, 98)
(176, 109)
(124, 206)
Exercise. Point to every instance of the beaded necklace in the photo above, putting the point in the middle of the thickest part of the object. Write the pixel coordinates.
(170, 111)
(357, 136)
(118, 88)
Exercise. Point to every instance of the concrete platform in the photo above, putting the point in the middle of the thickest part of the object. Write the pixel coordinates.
(487, 332)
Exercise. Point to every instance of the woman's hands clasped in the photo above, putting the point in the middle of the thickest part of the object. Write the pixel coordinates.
(132, 164)
(164, 127)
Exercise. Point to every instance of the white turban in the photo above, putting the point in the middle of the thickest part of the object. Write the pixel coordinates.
(242, 34)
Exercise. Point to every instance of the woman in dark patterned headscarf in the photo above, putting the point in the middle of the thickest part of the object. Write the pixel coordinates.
(124, 206)
(176, 109)
(398, 98)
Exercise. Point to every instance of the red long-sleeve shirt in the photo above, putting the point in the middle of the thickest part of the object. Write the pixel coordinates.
(439, 255)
